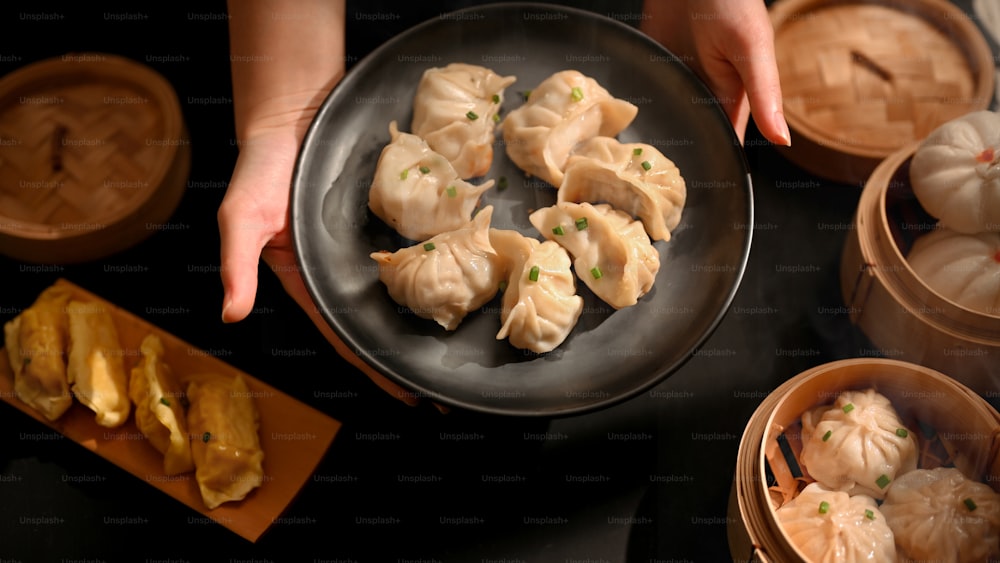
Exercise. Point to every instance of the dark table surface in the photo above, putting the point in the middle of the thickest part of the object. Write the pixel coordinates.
(645, 480)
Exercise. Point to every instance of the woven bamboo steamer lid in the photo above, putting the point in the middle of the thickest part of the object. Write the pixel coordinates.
(954, 426)
(862, 78)
(900, 314)
(94, 157)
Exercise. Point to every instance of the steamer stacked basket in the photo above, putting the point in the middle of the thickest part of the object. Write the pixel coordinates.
(865, 81)
(94, 157)
(952, 417)
(862, 78)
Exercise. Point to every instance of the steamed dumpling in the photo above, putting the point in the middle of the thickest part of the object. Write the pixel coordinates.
(835, 527)
(563, 110)
(446, 277)
(540, 304)
(964, 268)
(612, 253)
(940, 515)
(454, 110)
(417, 192)
(633, 177)
(858, 444)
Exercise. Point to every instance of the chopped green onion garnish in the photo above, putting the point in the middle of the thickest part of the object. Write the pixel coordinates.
(502, 183)
(533, 273)
(424, 170)
(576, 94)
(970, 504)
(581, 224)
(429, 246)
(646, 165)
(472, 115)
(848, 408)
(827, 435)
(596, 272)
(451, 191)
(558, 230)
(403, 174)
(882, 481)
(902, 432)
(503, 285)
(164, 401)
(206, 437)
(496, 118)
(496, 98)
(824, 507)
(526, 94)
(637, 151)
(869, 514)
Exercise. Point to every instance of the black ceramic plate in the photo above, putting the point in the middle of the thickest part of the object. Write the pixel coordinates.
(611, 355)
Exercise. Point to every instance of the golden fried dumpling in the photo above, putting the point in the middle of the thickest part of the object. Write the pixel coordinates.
(96, 366)
(223, 420)
(36, 346)
(159, 410)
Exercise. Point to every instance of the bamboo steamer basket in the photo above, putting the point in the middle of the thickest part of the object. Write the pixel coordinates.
(94, 157)
(862, 78)
(901, 315)
(953, 425)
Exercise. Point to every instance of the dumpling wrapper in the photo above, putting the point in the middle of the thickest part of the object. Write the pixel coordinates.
(159, 407)
(224, 424)
(454, 110)
(538, 310)
(96, 364)
(417, 192)
(857, 444)
(941, 515)
(633, 177)
(36, 346)
(563, 110)
(447, 276)
(612, 253)
(847, 529)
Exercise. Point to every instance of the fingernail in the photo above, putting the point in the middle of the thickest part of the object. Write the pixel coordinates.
(225, 307)
(784, 133)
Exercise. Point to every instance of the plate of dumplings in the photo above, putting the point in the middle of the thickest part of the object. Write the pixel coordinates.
(522, 209)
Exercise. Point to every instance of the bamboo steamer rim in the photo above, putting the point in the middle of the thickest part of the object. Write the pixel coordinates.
(785, 405)
(96, 69)
(886, 260)
(819, 138)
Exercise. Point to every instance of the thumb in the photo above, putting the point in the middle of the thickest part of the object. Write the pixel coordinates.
(241, 246)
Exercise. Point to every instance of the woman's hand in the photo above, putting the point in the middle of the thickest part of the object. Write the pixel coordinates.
(286, 57)
(730, 45)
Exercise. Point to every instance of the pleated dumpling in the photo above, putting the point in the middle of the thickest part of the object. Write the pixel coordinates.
(455, 111)
(835, 527)
(612, 253)
(540, 305)
(447, 276)
(633, 177)
(416, 190)
(857, 444)
(36, 342)
(563, 110)
(941, 515)
(159, 411)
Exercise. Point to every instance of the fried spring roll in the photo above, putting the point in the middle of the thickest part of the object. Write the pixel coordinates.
(224, 423)
(159, 409)
(96, 367)
(36, 345)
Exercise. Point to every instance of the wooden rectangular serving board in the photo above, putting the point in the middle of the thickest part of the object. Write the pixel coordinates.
(293, 435)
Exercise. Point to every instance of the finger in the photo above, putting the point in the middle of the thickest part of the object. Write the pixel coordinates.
(757, 67)
(240, 250)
